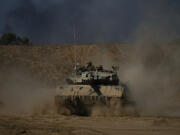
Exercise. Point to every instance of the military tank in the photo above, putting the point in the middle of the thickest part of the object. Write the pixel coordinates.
(89, 86)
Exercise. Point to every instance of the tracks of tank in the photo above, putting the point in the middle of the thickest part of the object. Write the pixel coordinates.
(82, 105)
(88, 100)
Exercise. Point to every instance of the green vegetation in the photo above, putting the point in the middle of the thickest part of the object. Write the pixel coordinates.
(13, 39)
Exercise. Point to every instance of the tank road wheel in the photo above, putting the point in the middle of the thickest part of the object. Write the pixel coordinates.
(69, 106)
(60, 106)
(79, 107)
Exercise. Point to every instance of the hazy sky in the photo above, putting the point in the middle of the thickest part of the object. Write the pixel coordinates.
(52, 21)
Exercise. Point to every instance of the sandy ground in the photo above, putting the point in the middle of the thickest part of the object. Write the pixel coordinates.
(74, 125)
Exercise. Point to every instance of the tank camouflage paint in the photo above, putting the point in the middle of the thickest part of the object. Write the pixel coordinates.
(89, 86)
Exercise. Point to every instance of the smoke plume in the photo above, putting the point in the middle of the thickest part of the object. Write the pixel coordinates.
(152, 75)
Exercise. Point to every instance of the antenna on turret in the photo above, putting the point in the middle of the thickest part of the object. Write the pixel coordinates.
(74, 40)
(74, 33)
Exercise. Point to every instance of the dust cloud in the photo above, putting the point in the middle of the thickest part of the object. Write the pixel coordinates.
(152, 75)
(152, 67)
(21, 93)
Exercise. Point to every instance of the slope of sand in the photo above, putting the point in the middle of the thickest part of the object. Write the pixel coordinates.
(51, 64)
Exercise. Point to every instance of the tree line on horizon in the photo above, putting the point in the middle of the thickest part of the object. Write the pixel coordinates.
(13, 39)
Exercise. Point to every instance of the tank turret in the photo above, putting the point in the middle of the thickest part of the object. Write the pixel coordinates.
(93, 76)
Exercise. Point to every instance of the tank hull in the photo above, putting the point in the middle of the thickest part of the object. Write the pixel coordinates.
(79, 99)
